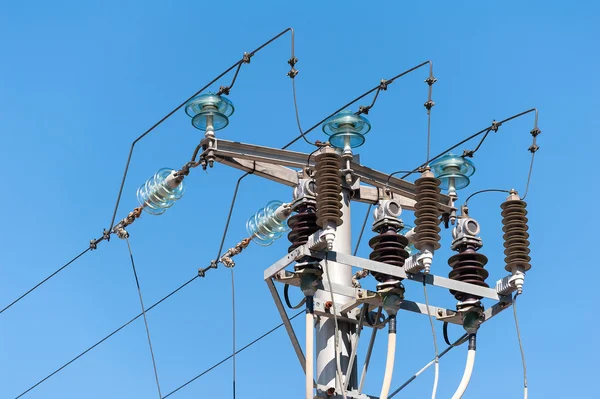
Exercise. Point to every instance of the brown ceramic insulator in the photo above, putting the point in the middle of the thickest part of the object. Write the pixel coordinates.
(303, 224)
(328, 180)
(427, 212)
(388, 247)
(515, 236)
(468, 267)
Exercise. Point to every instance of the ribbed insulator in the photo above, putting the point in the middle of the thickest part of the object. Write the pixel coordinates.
(427, 212)
(328, 179)
(160, 191)
(515, 235)
(303, 225)
(388, 247)
(468, 267)
(267, 225)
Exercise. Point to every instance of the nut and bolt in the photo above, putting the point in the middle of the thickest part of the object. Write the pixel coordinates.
(330, 391)
(328, 305)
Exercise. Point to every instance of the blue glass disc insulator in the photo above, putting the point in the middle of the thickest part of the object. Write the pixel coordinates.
(345, 129)
(160, 192)
(453, 170)
(209, 108)
(265, 226)
(410, 248)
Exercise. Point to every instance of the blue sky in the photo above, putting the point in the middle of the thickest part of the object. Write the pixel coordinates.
(79, 81)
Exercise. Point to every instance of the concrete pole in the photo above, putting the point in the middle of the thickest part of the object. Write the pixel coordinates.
(325, 337)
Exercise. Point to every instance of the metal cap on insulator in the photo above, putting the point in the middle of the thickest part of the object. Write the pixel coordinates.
(209, 111)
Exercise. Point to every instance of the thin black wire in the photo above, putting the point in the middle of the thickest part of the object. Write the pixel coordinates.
(230, 356)
(388, 82)
(362, 229)
(468, 139)
(529, 175)
(490, 190)
(525, 387)
(238, 63)
(107, 337)
(297, 114)
(137, 283)
(233, 328)
(44, 280)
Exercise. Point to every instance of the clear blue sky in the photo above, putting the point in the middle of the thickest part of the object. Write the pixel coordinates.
(79, 81)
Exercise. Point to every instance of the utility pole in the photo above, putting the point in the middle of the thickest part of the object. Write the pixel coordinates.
(325, 338)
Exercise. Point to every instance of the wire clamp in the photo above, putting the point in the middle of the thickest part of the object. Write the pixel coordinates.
(121, 232)
(533, 149)
(383, 84)
(224, 90)
(201, 272)
(93, 244)
(535, 132)
(292, 73)
(363, 109)
(246, 57)
(430, 80)
(429, 104)
(495, 126)
(468, 153)
(106, 235)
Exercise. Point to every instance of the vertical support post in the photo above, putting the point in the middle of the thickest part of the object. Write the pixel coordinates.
(325, 337)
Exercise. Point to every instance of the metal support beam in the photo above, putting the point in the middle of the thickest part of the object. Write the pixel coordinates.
(288, 324)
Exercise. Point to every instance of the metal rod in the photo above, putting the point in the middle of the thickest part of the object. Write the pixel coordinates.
(367, 360)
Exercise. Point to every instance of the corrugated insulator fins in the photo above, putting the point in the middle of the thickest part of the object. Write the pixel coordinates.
(388, 247)
(303, 224)
(468, 264)
(515, 236)
(328, 181)
(427, 212)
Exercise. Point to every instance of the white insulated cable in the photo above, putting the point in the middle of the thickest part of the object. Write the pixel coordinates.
(389, 365)
(464, 383)
(310, 355)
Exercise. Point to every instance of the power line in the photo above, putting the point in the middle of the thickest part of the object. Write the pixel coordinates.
(230, 356)
(137, 283)
(106, 337)
(244, 59)
(46, 279)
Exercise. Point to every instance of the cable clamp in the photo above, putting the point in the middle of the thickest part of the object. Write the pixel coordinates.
(246, 58)
(430, 80)
(106, 235)
(224, 90)
(468, 153)
(292, 73)
(534, 148)
(121, 232)
(93, 244)
(201, 272)
(429, 104)
(383, 84)
(292, 61)
(363, 109)
(495, 126)
(535, 132)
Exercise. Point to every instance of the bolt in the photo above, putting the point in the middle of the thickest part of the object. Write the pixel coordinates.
(360, 294)
(440, 312)
(330, 391)
(328, 305)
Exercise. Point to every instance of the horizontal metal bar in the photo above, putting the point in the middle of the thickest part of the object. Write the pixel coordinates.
(431, 279)
(286, 261)
(287, 323)
(276, 173)
(225, 149)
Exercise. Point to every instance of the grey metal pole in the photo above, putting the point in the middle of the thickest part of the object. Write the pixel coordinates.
(325, 334)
